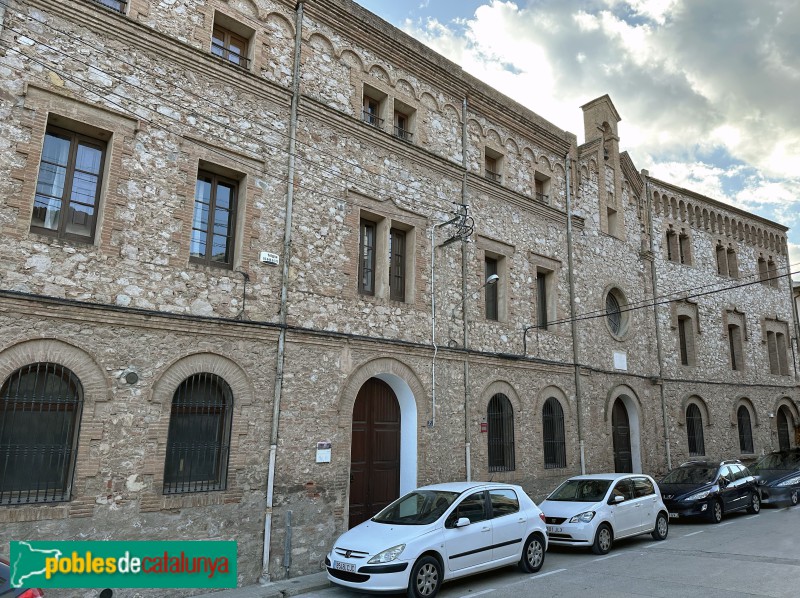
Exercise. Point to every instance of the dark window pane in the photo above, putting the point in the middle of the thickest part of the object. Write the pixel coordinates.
(199, 435)
(694, 431)
(613, 313)
(213, 220)
(555, 451)
(366, 265)
(500, 418)
(40, 407)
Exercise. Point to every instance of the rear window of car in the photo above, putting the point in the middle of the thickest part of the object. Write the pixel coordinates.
(642, 487)
(504, 502)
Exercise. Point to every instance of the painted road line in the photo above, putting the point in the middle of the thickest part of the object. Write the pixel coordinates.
(605, 558)
(693, 534)
(724, 524)
(477, 593)
(751, 517)
(538, 575)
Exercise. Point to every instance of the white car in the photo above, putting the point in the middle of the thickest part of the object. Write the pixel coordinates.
(595, 510)
(438, 533)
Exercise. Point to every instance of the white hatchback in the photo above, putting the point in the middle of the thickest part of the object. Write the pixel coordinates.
(595, 510)
(438, 533)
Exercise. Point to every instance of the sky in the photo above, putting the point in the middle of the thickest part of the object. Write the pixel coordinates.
(708, 90)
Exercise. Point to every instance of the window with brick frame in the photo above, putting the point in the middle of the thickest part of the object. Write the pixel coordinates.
(40, 414)
(231, 40)
(373, 103)
(386, 254)
(767, 271)
(214, 220)
(777, 353)
(541, 187)
(69, 185)
(673, 247)
(115, 5)
(404, 121)
(685, 248)
(733, 262)
(493, 165)
(722, 260)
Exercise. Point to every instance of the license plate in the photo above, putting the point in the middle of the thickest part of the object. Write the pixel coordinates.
(552, 529)
(349, 567)
(673, 515)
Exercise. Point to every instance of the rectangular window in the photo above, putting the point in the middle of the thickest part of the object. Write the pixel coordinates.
(541, 300)
(402, 126)
(735, 346)
(492, 311)
(613, 224)
(763, 275)
(722, 261)
(491, 169)
(117, 5)
(230, 46)
(541, 187)
(684, 246)
(214, 220)
(366, 264)
(397, 265)
(733, 264)
(371, 112)
(492, 165)
(68, 186)
(686, 340)
(673, 250)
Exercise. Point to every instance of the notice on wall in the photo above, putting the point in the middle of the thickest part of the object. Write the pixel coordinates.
(324, 451)
(621, 361)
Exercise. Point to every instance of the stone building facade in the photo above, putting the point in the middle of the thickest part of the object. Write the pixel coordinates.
(404, 266)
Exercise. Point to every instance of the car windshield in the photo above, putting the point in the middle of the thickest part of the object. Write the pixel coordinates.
(419, 507)
(691, 475)
(778, 461)
(581, 491)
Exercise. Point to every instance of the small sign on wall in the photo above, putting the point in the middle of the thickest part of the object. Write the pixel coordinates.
(621, 361)
(484, 427)
(324, 451)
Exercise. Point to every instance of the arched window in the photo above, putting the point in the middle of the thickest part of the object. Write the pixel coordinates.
(555, 449)
(198, 440)
(745, 430)
(40, 410)
(694, 431)
(614, 312)
(501, 434)
(784, 441)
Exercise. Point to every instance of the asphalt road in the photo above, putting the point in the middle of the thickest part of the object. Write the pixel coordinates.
(745, 555)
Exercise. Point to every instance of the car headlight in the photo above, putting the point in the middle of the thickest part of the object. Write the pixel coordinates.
(790, 481)
(388, 555)
(699, 495)
(583, 517)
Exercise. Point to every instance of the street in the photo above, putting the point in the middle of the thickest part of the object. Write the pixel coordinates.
(745, 555)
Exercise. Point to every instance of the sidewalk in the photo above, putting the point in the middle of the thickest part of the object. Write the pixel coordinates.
(276, 589)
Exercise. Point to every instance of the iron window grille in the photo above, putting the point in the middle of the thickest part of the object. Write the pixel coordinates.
(68, 186)
(369, 114)
(214, 220)
(542, 197)
(40, 412)
(116, 5)
(694, 431)
(501, 434)
(366, 262)
(492, 175)
(555, 446)
(230, 47)
(397, 265)
(745, 430)
(198, 441)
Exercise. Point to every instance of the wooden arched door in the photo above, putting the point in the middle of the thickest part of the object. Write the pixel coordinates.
(621, 434)
(375, 452)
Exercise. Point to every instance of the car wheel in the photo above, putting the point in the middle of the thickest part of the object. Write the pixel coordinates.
(426, 578)
(662, 527)
(715, 513)
(793, 498)
(755, 504)
(532, 554)
(603, 539)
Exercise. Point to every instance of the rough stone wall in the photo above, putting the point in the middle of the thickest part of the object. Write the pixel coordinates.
(168, 108)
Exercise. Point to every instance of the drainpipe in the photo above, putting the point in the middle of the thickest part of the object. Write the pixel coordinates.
(574, 323)
(287, 246)
(467, 443)
(795, 317)
(659, 348)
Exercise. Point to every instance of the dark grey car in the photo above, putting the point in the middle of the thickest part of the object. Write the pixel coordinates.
(779, 477)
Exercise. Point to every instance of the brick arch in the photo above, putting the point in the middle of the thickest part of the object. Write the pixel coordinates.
(408, 389)
(633, 404)
(499, 387)
(163, 389)
(557, 394)
(743, 400)
(701, 404)
(97, 387)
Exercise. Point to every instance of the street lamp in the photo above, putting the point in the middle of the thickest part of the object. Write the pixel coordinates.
(490, 280)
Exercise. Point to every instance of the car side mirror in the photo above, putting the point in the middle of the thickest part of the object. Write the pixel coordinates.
(463, 522)
(616, 499)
